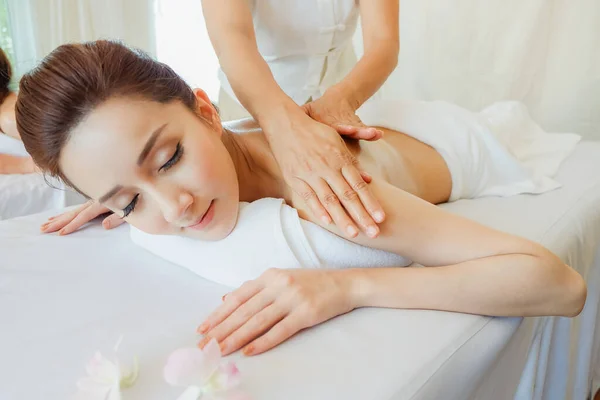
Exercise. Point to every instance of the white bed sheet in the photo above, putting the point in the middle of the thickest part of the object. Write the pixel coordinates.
(62, 298)
(30, 194)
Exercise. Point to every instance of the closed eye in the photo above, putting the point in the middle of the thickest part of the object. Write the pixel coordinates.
(131, 206)
(174, 159)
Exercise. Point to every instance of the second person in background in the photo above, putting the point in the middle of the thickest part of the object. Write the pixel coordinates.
(291, 64)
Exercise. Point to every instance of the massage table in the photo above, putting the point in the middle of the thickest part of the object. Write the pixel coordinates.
(64, 298)
(30, 193)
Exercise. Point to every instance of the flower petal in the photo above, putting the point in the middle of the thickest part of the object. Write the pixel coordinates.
(128, 378)
(102, 370)
(90, 389)
(192, 366)
(226, 377)
(191, 393)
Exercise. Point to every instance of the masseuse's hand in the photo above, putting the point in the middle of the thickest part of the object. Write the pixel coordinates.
(319, 168)
(337, 111)
(263, 313)
(72, 220)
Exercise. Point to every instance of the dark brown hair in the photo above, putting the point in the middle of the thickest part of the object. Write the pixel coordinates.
(74, 79)
(5, 75)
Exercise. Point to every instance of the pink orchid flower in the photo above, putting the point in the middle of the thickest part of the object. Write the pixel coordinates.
(203, 373)
(105, 378)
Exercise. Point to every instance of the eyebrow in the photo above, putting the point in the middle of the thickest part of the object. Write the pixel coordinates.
(149, 144)
(110, 194)
(142, 157)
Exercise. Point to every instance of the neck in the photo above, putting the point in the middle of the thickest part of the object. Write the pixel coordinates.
(257, 170)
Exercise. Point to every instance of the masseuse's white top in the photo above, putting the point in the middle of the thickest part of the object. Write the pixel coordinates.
(306, 43)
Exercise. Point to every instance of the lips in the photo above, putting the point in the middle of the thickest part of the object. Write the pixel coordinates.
(206, 217)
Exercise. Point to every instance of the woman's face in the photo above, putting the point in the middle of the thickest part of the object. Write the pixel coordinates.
(161, 166)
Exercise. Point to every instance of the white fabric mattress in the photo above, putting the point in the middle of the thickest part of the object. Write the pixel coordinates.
(29, 194)
(63, 298)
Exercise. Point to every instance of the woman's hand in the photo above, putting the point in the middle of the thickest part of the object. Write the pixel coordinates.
(337, 111)
(72, 220)
(266, 311)
(319, 168)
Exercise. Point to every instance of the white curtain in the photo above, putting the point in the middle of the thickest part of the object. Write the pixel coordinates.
(39, 26)
(545, 53)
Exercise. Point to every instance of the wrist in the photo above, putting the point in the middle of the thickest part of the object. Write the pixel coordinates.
(355, 286)
(345, 93)
(282, 119)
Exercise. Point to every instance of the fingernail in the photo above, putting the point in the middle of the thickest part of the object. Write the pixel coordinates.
(203, 328)
(222, 347)
(51, 218)
(379, 216)
(372, 231)
(351, 231)
(62, 232)
(106, 224)
(325, 220)
(224, 297)
(248, 350)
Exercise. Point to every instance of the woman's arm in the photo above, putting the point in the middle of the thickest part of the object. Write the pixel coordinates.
(480, 270)
(230, 28)
(313, 158)
(8, 123)
(381, 38)
(381, 41)
(16, 165)
(475, 270)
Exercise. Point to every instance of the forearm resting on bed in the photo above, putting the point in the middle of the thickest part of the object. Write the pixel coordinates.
(506, 285)
(15, 165)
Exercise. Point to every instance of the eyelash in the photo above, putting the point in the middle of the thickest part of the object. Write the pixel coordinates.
(129, 209)
(169, 164)
(176, 157)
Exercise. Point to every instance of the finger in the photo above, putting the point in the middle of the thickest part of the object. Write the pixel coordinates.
(346, 130)
(285, 329)
(367, 199)
(239, 317)
(352, 203)
(229, 305)
(366, 176)
(112, 221)
(334, 207)
(369, 133)
(253, 328)
(312, 200)
(60, 221)
(360, 133)
(81, 219)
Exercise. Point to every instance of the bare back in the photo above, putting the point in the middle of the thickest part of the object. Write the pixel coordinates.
(406, 163)
(397, 159)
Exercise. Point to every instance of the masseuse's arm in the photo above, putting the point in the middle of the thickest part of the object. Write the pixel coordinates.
(10, 164)
(381, 42)
(8, 120)
(313, 158)
(473, 269)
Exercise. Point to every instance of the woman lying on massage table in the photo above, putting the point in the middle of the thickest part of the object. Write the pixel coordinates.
(127, 132)
(10, 164)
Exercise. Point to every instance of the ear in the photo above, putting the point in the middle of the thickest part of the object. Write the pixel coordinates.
(206, 110)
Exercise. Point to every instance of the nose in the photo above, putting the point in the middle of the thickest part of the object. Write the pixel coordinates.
(174, 204)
